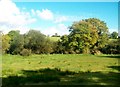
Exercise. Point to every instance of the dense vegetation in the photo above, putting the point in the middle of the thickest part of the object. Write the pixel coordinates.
(89, 36)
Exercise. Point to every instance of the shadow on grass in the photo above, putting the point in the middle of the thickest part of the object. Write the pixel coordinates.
(56, 77)
(115, 67)
(110, 56)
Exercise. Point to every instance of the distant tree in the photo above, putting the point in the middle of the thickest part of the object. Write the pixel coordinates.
(62, 46)
(114, 35)
(5, 43)
(17, 44)
(48, 46)
(34, 40)
(113, 47)
(13, 33)
(56, 35)
(25, 52)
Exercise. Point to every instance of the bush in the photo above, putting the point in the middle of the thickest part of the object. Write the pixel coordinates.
(96, 52)
(25, 52)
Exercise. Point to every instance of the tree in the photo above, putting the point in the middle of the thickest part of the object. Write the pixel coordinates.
(113, 47)
(62, 46)
(5, 43)
(86, 35)
(35, 41)
(114, 35)
(48, 46)
(102, 31)
(16, 42)
(13, 33)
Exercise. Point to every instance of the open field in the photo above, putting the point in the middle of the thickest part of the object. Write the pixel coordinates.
(54, 38)
(60, 69)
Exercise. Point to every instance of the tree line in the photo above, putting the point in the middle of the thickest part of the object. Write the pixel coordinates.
(88, 36)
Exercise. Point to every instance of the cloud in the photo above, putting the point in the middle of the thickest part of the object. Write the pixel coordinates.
(33, 12)
(61, 29)
(45, 14)
(5, 29)
(12, 17)
(61, 19)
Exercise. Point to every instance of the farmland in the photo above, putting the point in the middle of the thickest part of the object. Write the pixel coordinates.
(60, 69)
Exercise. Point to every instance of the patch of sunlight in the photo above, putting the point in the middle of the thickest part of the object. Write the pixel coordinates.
(95, 79)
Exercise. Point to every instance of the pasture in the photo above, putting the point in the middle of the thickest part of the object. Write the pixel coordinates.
(54, 38)
(60, 69)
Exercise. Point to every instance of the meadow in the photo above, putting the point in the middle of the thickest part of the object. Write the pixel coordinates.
(54, 38)
(60, 69)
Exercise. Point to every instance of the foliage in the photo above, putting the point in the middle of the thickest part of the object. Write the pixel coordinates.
(37, 42)
(85, 35)
(25, 52)
(34, 40)
(5, 43)
(16, 44)
(114, 35)
(113, 47)
(48, 46)
(13, 33)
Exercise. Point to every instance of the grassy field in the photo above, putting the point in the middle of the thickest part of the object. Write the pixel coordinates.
(54, 38)
(60, 69)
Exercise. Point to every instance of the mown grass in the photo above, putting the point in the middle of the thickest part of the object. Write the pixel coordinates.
(54, 38)
(60, 69)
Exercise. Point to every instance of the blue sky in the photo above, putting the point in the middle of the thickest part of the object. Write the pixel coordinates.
(56, 17)
(66, 0)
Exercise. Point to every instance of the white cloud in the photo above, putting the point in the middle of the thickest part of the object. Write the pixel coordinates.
(61, 29)
(12, 17)
(61, 19)
(45, 14)
(5, 29)
(33, 12)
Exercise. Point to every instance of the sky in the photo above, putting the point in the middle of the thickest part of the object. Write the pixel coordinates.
(54, 17)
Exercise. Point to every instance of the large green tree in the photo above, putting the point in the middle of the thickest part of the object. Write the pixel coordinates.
(84, 35)
(102, 31)
(35, 41)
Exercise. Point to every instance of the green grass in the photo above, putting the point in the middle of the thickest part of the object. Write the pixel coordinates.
(60, 69)
(54, 38)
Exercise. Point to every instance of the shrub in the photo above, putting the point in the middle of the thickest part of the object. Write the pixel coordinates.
(25, 52)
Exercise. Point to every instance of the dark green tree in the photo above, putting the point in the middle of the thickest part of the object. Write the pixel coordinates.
(16, 42)
(114, 35)
(35, 41)
(13, 33)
